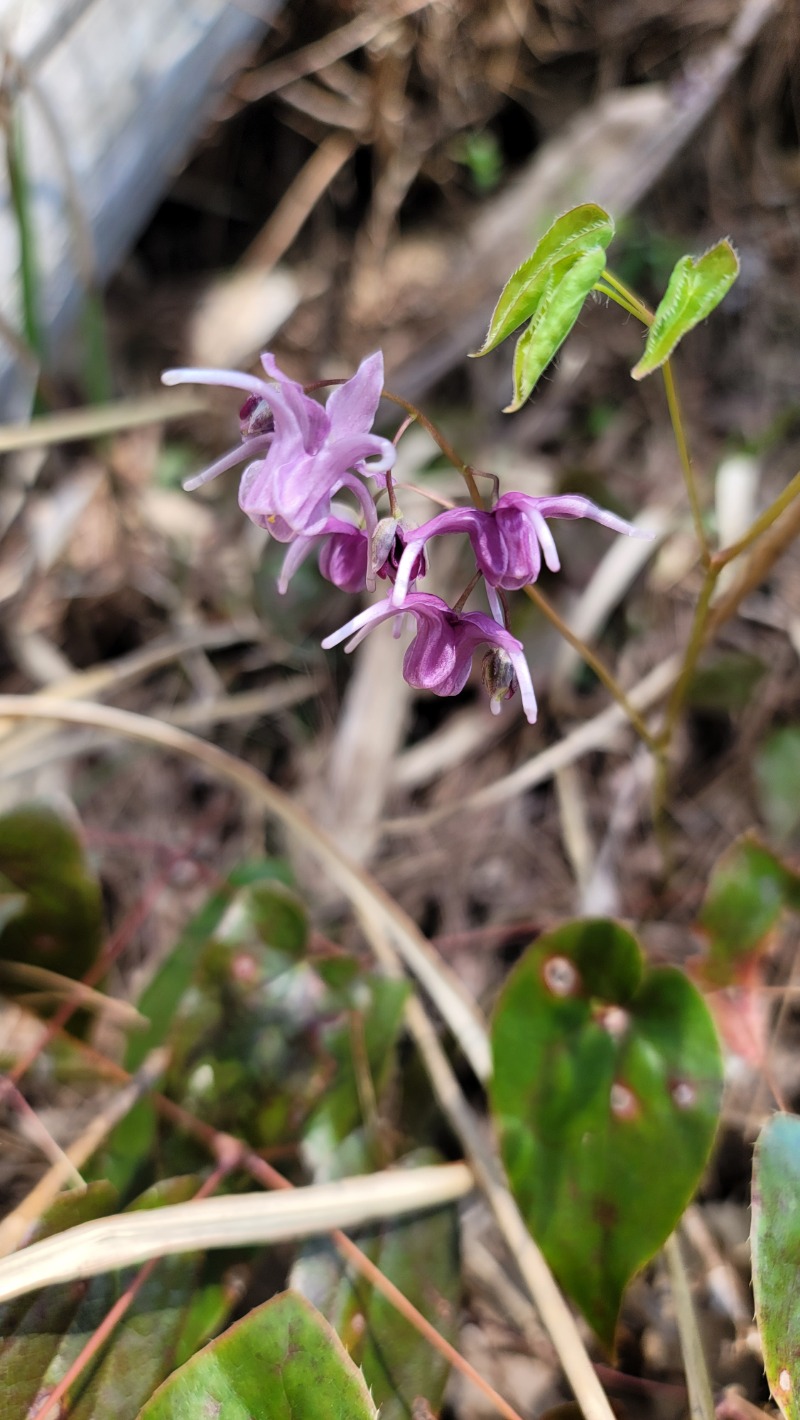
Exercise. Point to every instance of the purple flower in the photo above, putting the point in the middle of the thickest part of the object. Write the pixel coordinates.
(440, 655)
(302, 452)
(509, 541)
(389, 542)
(343, 557)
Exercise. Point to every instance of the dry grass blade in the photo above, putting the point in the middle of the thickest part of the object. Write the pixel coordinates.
(233, 1221)
(75, 425)
(15, 1226)
(62, 988)
(443, 987)
(597, 733)
(103, 679)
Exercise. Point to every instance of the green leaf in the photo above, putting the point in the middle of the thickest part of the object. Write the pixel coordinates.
(363, 1049)
(60, 925)
(280, 1362)
(570, 237)
(568, 284)
(775, 1242)
(420, 1255)
(601, 1067)
(777, 770)
(279, 917)
(748, 890)
(696, 286)
(131, 1141)
(31, 1327)
(118, 1380)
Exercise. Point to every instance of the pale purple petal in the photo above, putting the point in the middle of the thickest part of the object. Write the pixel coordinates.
(365, 620)
(411, 552)
(304, 415)
(299, 550)
(352, 407)
(546, 540)
(231, 379)
(574, 505)
(229, 460)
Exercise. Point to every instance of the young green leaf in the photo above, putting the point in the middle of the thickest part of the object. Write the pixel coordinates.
(568, 283)
(775, 1242)
(600, 1067)
(696, 286)
(748, 890)
(580, 230)
(281, 1361)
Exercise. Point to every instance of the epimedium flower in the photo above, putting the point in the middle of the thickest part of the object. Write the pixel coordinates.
(439, 657)
(510, 540)
(343, 555)
(348, 556)
(301, 452)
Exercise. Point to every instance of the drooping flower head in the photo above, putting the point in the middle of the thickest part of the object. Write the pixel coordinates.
(510, 540)
(440, 656)
(301, 452)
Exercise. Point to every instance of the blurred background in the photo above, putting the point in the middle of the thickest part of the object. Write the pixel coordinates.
(191, 183)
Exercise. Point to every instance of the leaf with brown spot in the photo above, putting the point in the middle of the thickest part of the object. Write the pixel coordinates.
(602, 1067)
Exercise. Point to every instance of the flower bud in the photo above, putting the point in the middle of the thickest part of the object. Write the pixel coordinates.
(383, 540)
(497, 674)
(255, 417)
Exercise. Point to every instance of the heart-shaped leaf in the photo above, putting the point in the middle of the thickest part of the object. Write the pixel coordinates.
(601, 1067)
(571, 236)
(696, 286)
(279, 1362)
(775, 1242)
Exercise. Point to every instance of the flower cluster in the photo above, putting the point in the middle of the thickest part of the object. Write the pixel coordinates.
(300, 455)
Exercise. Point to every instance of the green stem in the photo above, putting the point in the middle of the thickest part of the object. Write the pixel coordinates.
(673, 404)
(693, 649)
(20, 201)
(766, 519)
(631, 303)
(615, 296)
(594, 662)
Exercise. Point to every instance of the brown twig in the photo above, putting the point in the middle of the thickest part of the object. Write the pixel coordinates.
(299, 201)
(313, 57)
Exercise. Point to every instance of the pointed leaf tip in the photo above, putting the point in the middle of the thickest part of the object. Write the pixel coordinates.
(280, 1361)
(696, 286)
(571, 235)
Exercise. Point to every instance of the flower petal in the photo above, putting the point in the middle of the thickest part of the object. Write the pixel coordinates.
(230, 379)
(352, 406)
